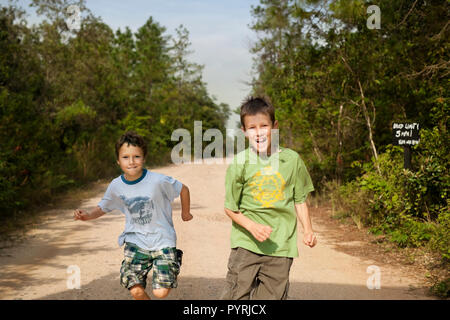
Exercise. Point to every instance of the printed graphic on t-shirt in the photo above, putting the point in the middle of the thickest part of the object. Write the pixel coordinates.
(140, 208)
(267, 186)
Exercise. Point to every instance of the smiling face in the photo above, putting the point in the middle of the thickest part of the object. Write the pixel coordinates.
(258, 128)
(131, 161)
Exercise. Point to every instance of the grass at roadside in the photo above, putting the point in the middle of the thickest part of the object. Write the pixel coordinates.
(422, 262)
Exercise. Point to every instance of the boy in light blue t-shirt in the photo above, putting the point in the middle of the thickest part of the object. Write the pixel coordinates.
(150, 240)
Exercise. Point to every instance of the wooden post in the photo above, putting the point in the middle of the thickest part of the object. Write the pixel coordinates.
(407, 157)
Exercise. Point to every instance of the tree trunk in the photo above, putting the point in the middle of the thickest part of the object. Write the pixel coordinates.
(369, 126)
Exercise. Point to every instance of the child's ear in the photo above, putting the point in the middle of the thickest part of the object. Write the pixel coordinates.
(275, 124)
(243, 130)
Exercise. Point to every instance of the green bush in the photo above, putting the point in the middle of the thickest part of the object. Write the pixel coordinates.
(65, 98)
(442, 288)
(411, 207)
(441, 238)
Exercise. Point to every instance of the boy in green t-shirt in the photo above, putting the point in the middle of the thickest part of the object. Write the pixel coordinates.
(266, 189)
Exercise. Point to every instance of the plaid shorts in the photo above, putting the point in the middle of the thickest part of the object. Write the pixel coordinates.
(138, 262)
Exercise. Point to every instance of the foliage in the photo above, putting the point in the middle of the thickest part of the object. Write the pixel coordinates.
(67, 95)
(338, 86)
(410, 207)
(442, 288)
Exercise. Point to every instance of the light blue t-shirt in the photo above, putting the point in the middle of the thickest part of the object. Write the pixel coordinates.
(146, 203)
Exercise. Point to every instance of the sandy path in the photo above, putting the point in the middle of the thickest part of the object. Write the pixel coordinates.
(38, 267)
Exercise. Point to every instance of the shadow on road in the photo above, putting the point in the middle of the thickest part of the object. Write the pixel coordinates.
(194, 288)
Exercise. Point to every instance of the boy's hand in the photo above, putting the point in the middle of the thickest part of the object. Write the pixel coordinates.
(80, 215)
(260, 232)
(186, 216)
(310, 239)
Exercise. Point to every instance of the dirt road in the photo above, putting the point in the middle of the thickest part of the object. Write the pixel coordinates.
(39, 268)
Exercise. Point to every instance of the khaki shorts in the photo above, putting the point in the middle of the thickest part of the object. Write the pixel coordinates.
(256, 276)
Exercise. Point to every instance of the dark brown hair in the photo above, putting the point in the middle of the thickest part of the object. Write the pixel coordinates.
(254, 105)
(132, 138)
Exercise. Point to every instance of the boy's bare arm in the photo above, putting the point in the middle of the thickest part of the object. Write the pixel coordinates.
(185, 198)
(309, 237)
(259, 231)
(84, 216)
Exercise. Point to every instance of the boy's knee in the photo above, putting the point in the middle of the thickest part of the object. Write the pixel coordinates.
(138, 292)
(161, 292)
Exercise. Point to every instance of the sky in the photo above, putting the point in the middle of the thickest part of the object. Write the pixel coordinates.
(218, 31)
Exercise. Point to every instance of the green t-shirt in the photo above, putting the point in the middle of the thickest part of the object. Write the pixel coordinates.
(265, 190)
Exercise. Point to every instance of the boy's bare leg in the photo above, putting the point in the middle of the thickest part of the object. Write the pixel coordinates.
(161, 292)
(138, 293)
